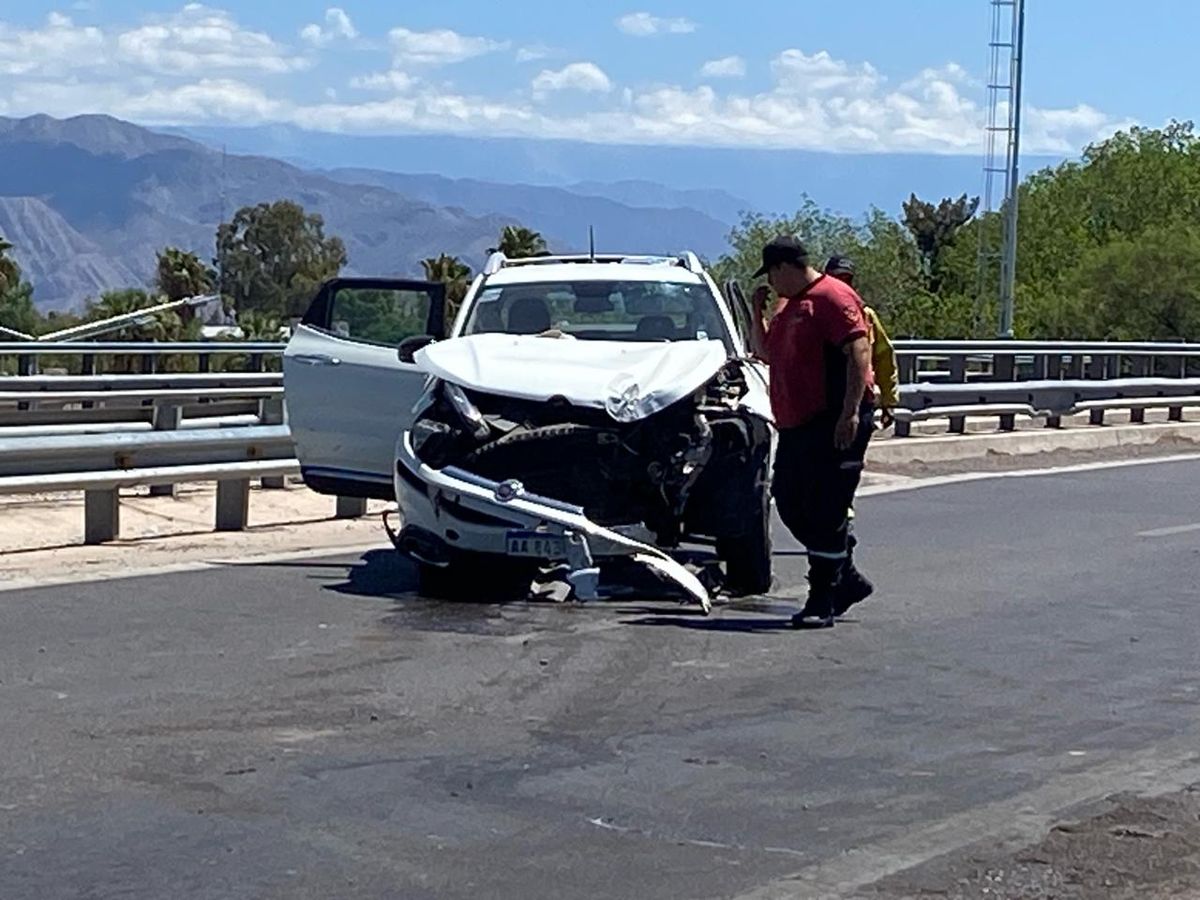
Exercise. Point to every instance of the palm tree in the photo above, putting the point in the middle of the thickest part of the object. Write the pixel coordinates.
(519, 242)
(454, 274)
(182, 274)
(450, 271)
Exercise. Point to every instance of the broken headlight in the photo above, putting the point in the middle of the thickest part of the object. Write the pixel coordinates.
(468, 414)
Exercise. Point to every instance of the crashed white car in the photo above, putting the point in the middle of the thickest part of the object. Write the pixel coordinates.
(580, 412)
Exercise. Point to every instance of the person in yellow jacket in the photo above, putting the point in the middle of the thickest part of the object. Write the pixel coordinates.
(887, 390)
(883, 354)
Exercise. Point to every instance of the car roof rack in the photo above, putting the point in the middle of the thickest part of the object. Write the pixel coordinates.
(687, 260)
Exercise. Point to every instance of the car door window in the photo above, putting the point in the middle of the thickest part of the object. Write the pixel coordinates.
(740, 308)
(376, 311)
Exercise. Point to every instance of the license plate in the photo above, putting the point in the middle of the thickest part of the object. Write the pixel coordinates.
(535, 544)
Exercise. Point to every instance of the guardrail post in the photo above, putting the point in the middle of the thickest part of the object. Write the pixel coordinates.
(1137, 415)
(958, 368)
(27, 365)
(149, 364)
(271, 411)
(1095, 368)
(958, 424)
(351, 507)
(1008, 422)
(1141, 366)
(1175, 414)
(1054, 366)
(101, 516)
(1096, 417)
(165, 418)
(1004, 367)
(903, 428)
(908, 369)
(1054, 421)
(1075, 369)
(233, 505)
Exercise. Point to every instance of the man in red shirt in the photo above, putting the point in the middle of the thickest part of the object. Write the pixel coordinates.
(821, 396)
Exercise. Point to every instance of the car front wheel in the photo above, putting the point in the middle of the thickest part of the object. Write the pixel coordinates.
(747, 557)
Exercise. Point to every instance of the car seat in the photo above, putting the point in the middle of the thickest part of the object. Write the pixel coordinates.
(655, 328)
(528, 315)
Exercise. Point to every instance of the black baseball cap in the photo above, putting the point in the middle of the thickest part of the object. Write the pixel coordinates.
(782, 249)
(839, 265)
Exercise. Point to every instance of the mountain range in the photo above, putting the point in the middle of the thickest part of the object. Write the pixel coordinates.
(88, 201)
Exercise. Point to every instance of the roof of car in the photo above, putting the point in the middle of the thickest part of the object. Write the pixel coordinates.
(587, 271)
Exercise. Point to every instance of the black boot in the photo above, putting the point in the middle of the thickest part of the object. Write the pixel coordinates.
(818, 612)
(853, 587)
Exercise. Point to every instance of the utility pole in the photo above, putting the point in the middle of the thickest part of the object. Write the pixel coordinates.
(1007, 45)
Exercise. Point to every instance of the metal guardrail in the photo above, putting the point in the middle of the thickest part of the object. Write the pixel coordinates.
(100, 432)
(149, 356)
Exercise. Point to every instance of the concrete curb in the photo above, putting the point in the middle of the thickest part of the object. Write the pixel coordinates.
(958, 448)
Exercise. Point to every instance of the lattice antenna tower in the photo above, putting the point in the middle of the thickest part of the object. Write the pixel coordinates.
(1001, 168)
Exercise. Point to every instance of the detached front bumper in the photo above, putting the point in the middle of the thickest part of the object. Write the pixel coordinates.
(454, 508)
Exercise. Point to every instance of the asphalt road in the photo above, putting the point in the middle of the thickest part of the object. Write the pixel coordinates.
(313, 730)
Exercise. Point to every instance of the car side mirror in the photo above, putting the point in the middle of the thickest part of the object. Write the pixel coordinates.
(408, 348)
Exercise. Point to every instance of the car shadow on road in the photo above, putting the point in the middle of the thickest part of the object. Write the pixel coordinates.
(720, 625)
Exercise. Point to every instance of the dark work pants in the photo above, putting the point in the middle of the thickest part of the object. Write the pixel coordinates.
(814, 485)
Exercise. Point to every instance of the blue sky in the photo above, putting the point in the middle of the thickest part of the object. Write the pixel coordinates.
(873, 75)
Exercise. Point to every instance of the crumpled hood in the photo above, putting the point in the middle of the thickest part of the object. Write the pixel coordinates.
(630, 380)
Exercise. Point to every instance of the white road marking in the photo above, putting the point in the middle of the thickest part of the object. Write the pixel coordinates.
(963, 477)
(1168, 532)
(1014, 822)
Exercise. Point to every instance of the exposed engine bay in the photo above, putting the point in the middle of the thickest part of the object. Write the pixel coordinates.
(680, 472)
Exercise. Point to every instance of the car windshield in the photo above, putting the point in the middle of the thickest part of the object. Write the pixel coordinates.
(601, 311)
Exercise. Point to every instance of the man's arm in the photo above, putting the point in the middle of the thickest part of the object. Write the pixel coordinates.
(758, 326)
(858, 364)
(883, 362)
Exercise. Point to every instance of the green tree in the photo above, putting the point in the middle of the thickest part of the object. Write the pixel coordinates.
(823, 233)
(519, 242)
(455, 275)
(259, 326)
(273, 256)
(935, 228)
(181, 274)
(10, 272)
(17, 311)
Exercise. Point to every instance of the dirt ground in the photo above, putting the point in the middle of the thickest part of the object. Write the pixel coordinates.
(1134, 847)
(41, 535)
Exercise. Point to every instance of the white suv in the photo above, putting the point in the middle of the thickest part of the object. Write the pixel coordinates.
(580, 411)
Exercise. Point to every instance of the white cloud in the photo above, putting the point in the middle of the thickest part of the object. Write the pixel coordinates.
(437, 48)
(337, 25)
(642, 24)
(535, 52)
(726, 67)
(200, 65)
(585, 77)
(51, 50)
(200, 40)
(394, 80)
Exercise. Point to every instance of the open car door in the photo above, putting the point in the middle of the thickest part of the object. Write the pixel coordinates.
(740, 307)
(349, 395)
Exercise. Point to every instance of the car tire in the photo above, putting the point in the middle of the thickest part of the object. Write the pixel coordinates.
(747, 557)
